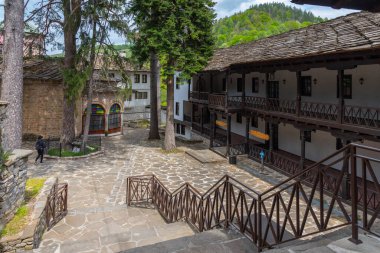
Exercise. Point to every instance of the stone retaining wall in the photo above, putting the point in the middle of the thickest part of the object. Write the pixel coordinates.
(30, 237)
(12, 184)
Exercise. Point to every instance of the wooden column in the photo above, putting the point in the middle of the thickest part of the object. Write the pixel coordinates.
(212, 129)
(228, 77)
(211, 83)
(341, 98)
(243, 93)
(202, 121)
(267, 85)
(248, 120)
(298, 104)
(199, 86)
(270, 141)
(346, 176)
(188, 90)
(303, 150)
(228, 134)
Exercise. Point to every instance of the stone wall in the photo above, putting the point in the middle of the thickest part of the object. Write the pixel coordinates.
(12, 184)
(42, 108)
(3, 108)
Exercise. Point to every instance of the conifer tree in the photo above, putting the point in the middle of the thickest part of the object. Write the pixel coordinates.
(180, 31)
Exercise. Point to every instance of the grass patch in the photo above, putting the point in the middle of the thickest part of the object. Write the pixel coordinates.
(33, 187)
(69, 153)
(172, 151)
(18, 222)
(16, 225)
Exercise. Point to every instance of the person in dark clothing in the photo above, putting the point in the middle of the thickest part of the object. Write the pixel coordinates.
(40, 147)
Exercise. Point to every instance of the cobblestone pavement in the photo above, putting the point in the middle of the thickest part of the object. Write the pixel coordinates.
(99, 220)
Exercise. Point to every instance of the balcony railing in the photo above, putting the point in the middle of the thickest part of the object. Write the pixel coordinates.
(217, 100)
(353, 115)
(203, 96)
(186, 118)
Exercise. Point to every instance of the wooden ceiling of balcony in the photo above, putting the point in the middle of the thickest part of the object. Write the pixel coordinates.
(348, 38)
(365, 5)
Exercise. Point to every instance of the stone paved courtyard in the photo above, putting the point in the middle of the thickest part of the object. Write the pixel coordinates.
(98, 218)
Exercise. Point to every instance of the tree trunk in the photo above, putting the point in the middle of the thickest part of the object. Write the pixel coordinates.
(159, 94)
(169, 143)
(71, 25)
(90, 87)
(154, 81)
(12, 79)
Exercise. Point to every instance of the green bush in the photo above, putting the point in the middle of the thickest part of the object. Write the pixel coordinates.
(4, 156)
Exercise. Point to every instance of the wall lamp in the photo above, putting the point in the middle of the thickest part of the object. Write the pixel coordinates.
(284, 81)
(315, 81)
(361, 80)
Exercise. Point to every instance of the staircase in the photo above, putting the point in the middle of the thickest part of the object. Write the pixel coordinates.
(307, 204)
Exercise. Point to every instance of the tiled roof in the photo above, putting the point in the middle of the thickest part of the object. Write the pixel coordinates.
(357, 31)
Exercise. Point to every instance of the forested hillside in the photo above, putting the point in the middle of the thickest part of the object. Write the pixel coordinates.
(261, 21)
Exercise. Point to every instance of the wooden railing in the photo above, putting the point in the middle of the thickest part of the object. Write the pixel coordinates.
(186, 118)
(298, 207)
(235, 101)
(55, 209)
(199, 95)
(321, 111)
(217, 100)
(362, 116)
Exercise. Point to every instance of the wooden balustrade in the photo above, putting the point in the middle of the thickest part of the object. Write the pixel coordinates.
(297, 207)
(217, 100)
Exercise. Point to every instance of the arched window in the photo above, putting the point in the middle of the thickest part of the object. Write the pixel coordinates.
(97, 122)
(114, 119)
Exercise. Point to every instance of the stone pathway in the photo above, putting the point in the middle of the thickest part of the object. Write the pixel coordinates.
(99, 220)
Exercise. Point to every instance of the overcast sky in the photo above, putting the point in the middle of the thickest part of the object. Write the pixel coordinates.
(228, 7)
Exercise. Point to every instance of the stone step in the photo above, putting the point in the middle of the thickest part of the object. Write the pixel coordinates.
(112, 238)
(218, 241)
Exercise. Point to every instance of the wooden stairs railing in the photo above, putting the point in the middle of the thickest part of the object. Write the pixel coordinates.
(298, 207)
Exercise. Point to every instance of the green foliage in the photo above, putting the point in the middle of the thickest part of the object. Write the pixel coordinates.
(17, 223)
(75, 82)
(261, 21)
(180, 32)
(4, 157)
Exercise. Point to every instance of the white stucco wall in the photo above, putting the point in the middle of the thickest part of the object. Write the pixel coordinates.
(180, 95)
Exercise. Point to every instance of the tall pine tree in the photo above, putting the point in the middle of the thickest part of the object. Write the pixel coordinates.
(180, 32)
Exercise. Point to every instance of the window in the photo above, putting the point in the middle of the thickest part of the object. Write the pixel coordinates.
(111, 75)
(306, 86)
(178, 128)
(224, 84)
(239, 84)
(255, 85)
(239, 118)
(176, 108)
(177, 83)
(129, 98)
(137, 78)
(144, 78)
(183, 129)
(347, 87)
(307, 136)
(255, 122)
(141, 95)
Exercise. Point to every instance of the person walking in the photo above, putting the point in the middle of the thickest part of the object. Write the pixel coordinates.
(40, 147)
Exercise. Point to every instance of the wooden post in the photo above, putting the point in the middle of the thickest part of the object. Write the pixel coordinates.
(202, 120)
(228, 77)
(270, 141)
(228, 134)
(248, 119)
(303, 150)
(199, 87)
(298, 105)
(212, 128)
(243, 93)
(354, 198)
(341, 97)
(211, 83)
(345, 180)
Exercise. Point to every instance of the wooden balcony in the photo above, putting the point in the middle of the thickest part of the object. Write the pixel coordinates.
(358, 119)
(219, 101)
(200, 97)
